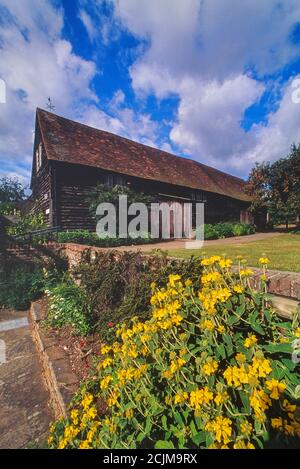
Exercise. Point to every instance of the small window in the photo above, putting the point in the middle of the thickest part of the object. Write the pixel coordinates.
(115, 180)
(38, 155)
(198, 196)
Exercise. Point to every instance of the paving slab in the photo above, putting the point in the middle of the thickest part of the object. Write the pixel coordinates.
(25, 413)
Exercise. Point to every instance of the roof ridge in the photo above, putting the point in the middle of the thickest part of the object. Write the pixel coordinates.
(143, 144)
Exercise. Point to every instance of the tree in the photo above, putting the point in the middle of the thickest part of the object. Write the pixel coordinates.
(275, 188)
(11, 192)
(104, 194)
(258, 188)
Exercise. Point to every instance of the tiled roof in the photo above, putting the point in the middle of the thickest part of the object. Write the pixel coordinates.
(71, 142)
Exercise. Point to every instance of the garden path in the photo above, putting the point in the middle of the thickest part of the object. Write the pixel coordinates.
(24, 410)
(179, 243)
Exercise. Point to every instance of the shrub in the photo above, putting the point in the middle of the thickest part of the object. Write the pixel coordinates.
(92, 239)
(68, 306)
(27, 223)
(20, 286)
(212, 368)
(242, 229)
(117, 285)
(224, 230)
(210, 232)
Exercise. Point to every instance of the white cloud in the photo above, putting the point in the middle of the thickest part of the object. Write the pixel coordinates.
(209, 118)
(36, 62)
(205, 52)
(88, 24)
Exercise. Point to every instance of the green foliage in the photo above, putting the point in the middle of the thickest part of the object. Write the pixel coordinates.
(11, 190)
(117, 285)
(210, 232)
(20, 285)
(211, 368)
(8, 208)
(275, 188)
(227, 230)
(224, 230)
(103, 193)
(27, 223)
(92, 239)
(242, 229)
(68, 306)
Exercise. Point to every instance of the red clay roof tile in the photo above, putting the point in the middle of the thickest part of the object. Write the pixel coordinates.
(71, 142)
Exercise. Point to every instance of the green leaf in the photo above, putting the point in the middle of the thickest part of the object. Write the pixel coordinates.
(199, 438)
(164, 422)
(245, 401)
(221, 351)
(277, 348)
(163, 444)
(148, 425)
(193, 428)
(257, 328)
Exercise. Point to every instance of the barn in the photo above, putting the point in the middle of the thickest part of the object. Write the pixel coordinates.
(70, 159)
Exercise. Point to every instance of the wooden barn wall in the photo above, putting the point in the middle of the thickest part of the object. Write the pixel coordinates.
(41, 194)
(73, 184)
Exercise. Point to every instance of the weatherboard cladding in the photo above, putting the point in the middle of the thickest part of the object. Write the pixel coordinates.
(71, 142)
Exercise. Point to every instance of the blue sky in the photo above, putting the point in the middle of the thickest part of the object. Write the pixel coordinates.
(211, 79)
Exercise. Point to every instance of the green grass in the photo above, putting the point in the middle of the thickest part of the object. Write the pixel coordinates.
(283, 252)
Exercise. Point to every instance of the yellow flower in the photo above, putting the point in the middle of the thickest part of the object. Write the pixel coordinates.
(113, 398)
(210, 260)
(276, 388)
(235, 376)
(246, 272)
(238, 288)
(87, 400)
(263, 260)
(251, 340)
(173, 278)
(263, 278)
(74, 416)
(260, 367)
(221, 426)
(105, 363)
(104, 383)
(246, 428)
(129, 414)
(91, 413)
(207, 324)
(202, 396)
(105, 349)
(221, 329)
(84, 445)
(240, 358)
(297, 332)
(242, 445)
(221, 397)
(225, 263)
(181, 397)
(211, 277)
(210, 368)
(260, 402)
(62, 443)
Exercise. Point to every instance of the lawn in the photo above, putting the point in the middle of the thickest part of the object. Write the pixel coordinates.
(283, 251)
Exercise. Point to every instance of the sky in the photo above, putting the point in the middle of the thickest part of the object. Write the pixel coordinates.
(212, 80)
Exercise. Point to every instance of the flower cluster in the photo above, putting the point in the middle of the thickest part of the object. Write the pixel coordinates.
(209, 369)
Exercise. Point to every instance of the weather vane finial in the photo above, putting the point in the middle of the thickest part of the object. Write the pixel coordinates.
(50, 106)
